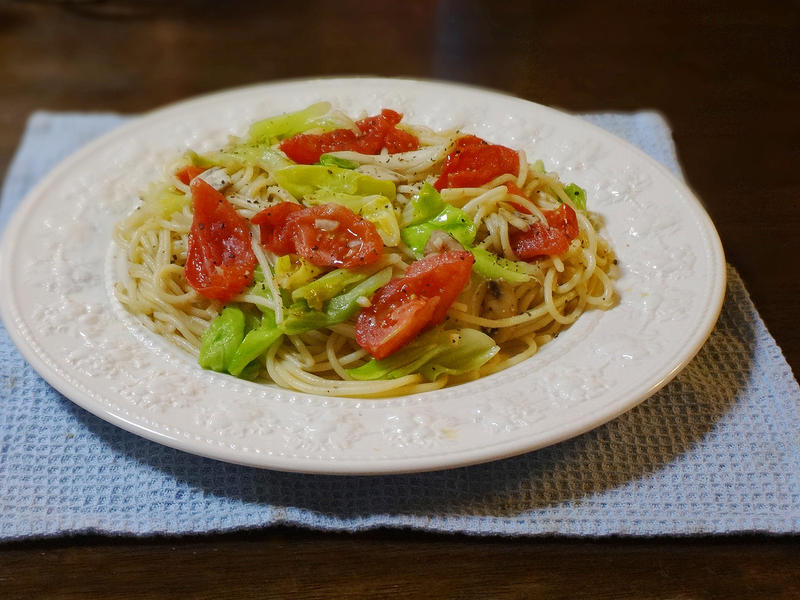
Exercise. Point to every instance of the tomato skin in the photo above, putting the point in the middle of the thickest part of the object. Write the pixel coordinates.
(337, 248)
(306, 148)
(539, 240)
(288, 228)
(274, 233)
(474, 162)
(546, 240)
(374, 133)
(189, 172)
(395, 317)
(441, 275)
(398, 140)
(220, 260)
(565, 219)
(409, 305)
(514, 189)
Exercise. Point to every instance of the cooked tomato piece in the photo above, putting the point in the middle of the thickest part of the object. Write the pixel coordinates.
(441, 275)
(538, 240)
(333, 235)
(563, 218)
(306, 148)
(409, 305)
(473, 162)
(470, 141)
(373, 131)
(374, 134)
(398, 140)
(186, 174)
(514, 189)
(395, 317)
(328, 235)
(275, 236)
(220, 260)
(546, 240)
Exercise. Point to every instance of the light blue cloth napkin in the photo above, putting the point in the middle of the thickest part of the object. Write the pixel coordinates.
(716, 451)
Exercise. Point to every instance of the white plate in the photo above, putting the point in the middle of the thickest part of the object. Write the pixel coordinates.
(56, 301)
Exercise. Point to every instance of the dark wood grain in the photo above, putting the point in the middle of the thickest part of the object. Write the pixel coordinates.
(727, 77)
(294, 563)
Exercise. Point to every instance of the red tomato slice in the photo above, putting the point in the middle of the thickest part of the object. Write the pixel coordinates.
(514, 189)
(443, 275)
(306, 148)
(186, 174)
(406, 306)
(538, 240)
(563, 218)
(374, 133)
(220, 261)
(333, 235)
(328, 235)
(275, 236)
(394, 318)
(546, 240)
(469, 141)
(398, 140)
(474, 162)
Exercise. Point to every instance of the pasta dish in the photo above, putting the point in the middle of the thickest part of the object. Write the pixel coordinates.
(361, 258)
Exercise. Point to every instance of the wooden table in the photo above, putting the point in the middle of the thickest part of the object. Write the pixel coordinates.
(726, 76)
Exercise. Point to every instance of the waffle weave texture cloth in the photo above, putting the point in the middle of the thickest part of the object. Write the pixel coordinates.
(716, 451)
